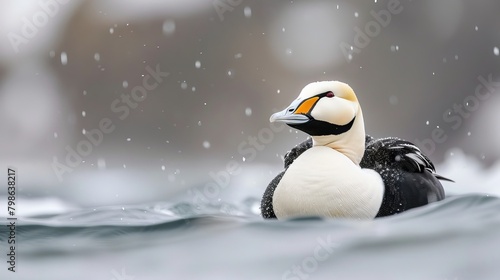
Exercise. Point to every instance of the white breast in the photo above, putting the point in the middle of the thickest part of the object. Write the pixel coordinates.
(324, 182)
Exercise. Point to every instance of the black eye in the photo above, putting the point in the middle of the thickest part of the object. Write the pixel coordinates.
(330, 94)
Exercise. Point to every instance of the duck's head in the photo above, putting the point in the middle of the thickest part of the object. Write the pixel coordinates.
(330, 113)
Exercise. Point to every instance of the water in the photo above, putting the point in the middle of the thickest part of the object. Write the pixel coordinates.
(458, 238)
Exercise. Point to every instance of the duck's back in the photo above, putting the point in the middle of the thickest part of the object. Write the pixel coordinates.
(409, 176)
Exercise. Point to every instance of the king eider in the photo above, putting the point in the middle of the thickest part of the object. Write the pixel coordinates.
(341, 172)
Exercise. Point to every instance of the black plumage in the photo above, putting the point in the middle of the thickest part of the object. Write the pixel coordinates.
(409, 177)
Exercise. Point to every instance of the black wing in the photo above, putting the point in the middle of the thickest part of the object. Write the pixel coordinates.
(266, 204)
(409, 176)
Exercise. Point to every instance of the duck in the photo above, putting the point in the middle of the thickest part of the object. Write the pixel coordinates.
(341, 172)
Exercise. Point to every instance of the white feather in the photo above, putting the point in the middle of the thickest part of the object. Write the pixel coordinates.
(324, 182)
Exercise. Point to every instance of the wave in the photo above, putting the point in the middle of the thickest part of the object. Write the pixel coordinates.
(457, 237)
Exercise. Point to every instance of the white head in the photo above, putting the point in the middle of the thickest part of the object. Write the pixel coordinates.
(330, 113)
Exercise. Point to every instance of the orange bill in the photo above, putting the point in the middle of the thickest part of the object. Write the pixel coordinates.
(306, 106)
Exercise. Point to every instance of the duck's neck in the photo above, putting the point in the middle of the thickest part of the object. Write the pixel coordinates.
(350, 143)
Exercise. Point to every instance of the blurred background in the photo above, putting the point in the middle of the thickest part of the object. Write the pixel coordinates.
(188, 86)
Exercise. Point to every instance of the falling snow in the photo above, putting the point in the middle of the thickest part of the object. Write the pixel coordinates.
(206, 144)
(168, 27)
(197, 64)
(247, 11)
(97, 57)
(248, 111)
(394, 48)
(496, 51)
(64, 58)
(101, 163)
